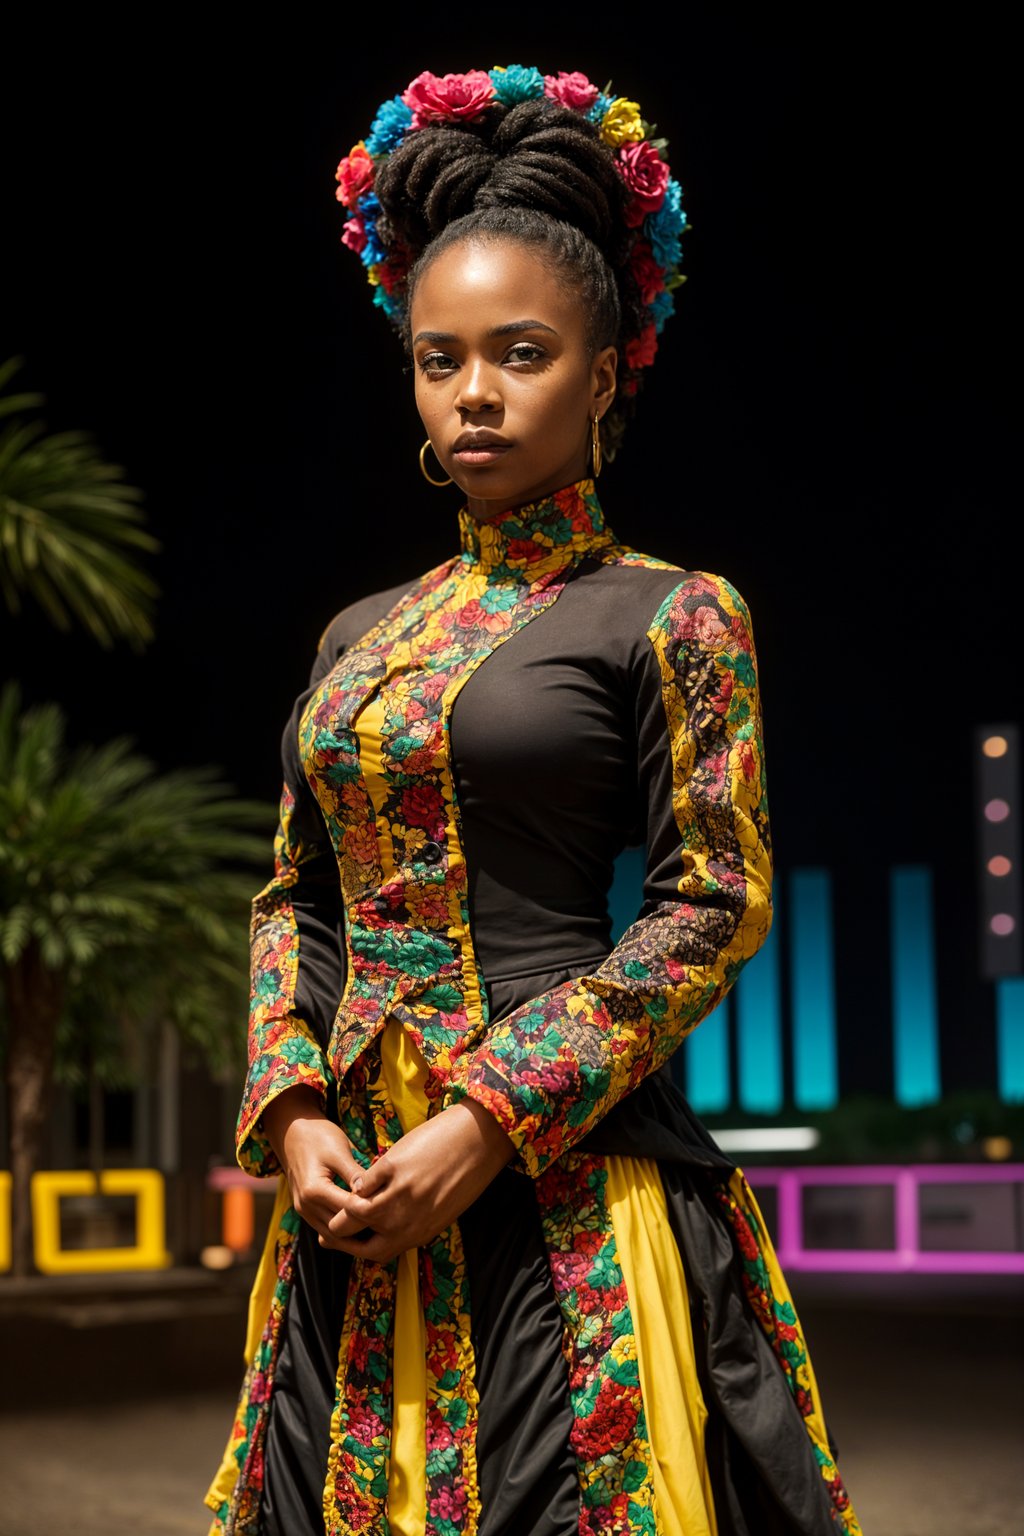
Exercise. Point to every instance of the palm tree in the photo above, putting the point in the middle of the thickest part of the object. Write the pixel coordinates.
(70, 527)
(124, 901)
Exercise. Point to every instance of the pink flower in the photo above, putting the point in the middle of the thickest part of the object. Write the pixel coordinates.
(646, 175)
(640, 349)
(649, 276)
(354, 234)
(571, 90)
(354, 176)
(444, 98)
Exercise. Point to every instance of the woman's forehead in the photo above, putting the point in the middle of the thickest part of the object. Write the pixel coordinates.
(492, 283)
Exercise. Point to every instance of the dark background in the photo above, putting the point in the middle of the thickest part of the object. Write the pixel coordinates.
(826, 422)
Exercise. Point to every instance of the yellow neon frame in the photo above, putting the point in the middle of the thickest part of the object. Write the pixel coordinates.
(5, 1221)
(149, 1251)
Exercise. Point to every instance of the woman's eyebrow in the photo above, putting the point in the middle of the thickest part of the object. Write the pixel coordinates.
(514, 326)
(510, 328)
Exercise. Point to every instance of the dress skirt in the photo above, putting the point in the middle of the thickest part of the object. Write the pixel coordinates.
(734, 1449)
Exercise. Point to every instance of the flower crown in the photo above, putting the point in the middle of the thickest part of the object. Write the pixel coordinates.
(654, 215)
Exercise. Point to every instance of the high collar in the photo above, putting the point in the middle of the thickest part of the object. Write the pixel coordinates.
(538, 537)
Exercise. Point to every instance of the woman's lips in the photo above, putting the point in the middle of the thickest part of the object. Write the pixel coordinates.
(479, 447)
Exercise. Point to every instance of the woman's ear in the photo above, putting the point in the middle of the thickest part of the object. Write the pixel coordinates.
(603, 378)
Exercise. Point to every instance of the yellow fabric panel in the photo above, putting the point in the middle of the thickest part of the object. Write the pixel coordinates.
(404, 1074)
(223, 1485)
(673, 1402)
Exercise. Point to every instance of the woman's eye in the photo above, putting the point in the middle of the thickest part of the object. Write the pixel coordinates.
(436, 362)
(524, 352)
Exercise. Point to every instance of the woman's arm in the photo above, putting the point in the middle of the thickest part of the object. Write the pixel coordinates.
(551, 1069)
(296, 966)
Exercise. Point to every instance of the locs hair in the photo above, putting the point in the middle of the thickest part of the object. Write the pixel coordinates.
(546, 161)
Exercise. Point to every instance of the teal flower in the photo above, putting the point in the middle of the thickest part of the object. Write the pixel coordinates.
(664, 227)
(392, 123)
(519, 82)
(662, 309)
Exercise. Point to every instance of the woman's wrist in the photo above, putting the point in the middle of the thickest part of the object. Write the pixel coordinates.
(482, 1134)
(289, 1106)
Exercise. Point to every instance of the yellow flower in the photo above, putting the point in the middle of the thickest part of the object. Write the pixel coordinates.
(373, 274)
(623, 1348)
(622, 123)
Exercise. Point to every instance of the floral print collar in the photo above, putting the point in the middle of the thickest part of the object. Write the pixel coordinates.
(544, 535)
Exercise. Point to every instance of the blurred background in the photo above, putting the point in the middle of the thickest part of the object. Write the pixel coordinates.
(208, 447)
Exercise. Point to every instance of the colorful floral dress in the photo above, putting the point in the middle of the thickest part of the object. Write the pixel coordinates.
(603, 1342)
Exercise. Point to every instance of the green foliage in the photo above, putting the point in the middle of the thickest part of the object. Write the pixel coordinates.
(71, 531)
(134, 885)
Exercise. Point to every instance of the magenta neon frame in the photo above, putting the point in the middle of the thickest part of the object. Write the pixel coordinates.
(906, 1257)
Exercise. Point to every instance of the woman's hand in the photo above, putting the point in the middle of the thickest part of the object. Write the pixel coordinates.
(421, 1184)
(312, 1150)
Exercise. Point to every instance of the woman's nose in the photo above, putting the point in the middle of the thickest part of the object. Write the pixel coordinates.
(478, 388)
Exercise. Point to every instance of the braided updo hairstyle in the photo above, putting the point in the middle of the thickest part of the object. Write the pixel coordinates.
(547, 161)
(536, 173)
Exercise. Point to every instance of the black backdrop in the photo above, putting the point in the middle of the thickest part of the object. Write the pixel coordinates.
(826, 423)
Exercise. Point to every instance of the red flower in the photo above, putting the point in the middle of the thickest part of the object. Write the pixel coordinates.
(354, 235)
(646, 175)
(444, 98)
(649, 276)
(640, 349)
(571, 90)
(354, 176)
(422, 805)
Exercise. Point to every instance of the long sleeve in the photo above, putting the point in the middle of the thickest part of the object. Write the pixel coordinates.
(296, 967)
(557, 1064)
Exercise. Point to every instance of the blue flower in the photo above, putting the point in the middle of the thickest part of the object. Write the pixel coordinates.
(373, 251)
(600, 107)
(664, 227)
(519, 82)
(391, 306)
(389, 127)
(662, 307)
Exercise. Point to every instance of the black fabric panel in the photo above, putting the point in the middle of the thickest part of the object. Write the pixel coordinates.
(528, 1481)
(764, 1473)
(301, 1404)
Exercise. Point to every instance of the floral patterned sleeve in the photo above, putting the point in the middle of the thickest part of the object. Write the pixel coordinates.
(296, 964)
(551, 1069)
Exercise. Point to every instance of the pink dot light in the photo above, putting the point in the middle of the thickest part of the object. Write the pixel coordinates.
(1002, 924)
(999, 865)
(996, 810)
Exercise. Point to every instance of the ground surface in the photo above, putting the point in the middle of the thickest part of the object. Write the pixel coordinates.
(924, 1397)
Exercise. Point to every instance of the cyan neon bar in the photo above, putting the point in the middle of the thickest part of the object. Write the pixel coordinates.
(707, 1062)
(1010, 1036)
(815, 1074)
(759, 1028)
(914, 1009)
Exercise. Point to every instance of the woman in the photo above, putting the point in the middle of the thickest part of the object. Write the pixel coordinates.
(511, 1284)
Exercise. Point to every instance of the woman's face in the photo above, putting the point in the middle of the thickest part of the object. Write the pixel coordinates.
(505, 384)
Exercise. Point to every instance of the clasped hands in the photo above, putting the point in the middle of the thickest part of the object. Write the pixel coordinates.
(412, 1192)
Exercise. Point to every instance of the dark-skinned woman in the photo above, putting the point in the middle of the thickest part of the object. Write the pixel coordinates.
(511, 1286)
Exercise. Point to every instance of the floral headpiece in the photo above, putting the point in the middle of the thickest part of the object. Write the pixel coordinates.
(654, 213)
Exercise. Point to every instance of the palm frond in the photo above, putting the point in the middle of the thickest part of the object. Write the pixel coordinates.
(72, 530)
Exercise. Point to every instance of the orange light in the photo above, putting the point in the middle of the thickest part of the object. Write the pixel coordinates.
(998, 1148)
(996, 810)
(999, 865)
(995, 746)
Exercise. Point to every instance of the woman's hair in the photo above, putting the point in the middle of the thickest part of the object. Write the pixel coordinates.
(535, 171)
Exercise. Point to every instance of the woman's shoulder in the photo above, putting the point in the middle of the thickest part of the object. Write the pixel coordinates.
(351, 623)
(672, 599)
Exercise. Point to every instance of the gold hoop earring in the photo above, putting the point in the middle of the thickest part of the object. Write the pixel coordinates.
(595, 445)
(423, 467)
